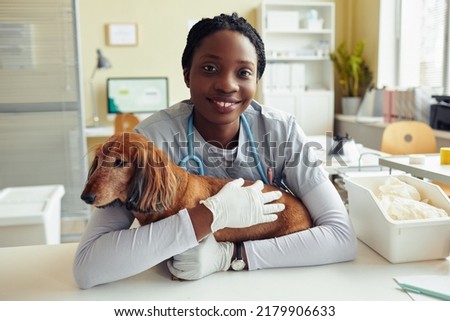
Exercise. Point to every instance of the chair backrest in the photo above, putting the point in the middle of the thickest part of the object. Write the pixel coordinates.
(125, 123)
(408, 137)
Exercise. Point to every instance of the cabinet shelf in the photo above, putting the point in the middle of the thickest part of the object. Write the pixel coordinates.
(297, 58)
(299, 73)
(270, 32)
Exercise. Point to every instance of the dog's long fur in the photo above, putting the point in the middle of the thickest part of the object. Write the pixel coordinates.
(130, 170)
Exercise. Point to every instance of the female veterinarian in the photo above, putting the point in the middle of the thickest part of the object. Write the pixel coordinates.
(221, 131)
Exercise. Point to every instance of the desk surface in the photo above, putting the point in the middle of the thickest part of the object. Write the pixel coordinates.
(431, 169)
(44, 272)
(365, 160)
(99, 131)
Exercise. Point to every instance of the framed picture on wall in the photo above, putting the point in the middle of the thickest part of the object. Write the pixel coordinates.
(121, 34)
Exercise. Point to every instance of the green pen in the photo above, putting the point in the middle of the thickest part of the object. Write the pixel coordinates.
(420, 290)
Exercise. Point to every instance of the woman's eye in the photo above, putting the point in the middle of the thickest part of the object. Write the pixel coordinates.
(118, 163)
(245, 73)
(209, 68)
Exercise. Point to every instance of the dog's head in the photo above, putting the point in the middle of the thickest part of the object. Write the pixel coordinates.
(130, 170)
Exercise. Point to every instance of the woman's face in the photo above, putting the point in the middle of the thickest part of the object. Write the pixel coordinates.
(222, 78)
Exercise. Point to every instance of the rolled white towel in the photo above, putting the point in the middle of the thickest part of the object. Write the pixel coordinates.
(402, 201)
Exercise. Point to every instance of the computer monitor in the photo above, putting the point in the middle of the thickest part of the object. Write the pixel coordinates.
(137, 95)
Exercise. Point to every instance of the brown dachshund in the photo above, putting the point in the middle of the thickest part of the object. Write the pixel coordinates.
(128, 169)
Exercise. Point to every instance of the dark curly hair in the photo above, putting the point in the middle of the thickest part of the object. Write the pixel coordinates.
(208, 26)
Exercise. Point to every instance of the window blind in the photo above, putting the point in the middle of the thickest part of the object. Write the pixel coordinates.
(423, 45)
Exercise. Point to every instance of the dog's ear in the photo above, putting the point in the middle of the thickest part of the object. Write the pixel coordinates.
(136, 186)
(93, 166)
(153, 186)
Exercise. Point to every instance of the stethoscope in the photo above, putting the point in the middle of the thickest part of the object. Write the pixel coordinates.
(201, 169)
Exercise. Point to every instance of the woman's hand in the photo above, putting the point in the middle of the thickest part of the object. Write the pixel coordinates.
(236, 206)
(208, 257)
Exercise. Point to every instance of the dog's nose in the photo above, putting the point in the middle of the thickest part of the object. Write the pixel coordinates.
(88, 198)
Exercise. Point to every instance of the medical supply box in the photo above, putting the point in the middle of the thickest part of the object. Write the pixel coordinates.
(30, 215)
(398, 240)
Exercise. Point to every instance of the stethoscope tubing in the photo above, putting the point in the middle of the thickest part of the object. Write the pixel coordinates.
(191, 155)
(253, 149)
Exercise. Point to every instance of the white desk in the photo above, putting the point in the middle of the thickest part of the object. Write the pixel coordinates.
(44, 272)
(99, 131)
(431, 169)
(370, 132)
(104, 130)
(367, 160)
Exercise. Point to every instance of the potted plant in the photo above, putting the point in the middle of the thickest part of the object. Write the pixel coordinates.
(353, 73)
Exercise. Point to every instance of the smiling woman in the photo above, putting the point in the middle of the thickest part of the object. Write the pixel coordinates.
(222, 85)
(222, 74)
(232, 136)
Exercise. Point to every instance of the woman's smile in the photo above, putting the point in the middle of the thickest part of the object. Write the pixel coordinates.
(224, 105)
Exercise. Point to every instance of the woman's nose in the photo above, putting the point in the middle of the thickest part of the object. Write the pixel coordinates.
(226, 82)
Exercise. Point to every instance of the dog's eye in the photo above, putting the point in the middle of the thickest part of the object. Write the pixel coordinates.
(118, 163)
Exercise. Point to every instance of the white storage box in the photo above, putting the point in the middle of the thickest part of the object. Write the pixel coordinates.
(313, 24)
(30, 215)
(398, 240)
(283, 20)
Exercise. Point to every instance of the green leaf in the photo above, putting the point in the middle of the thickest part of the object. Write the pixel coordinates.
(353, 73)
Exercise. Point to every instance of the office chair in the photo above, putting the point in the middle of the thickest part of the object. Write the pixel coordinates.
(410, 137)
(125, 123)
